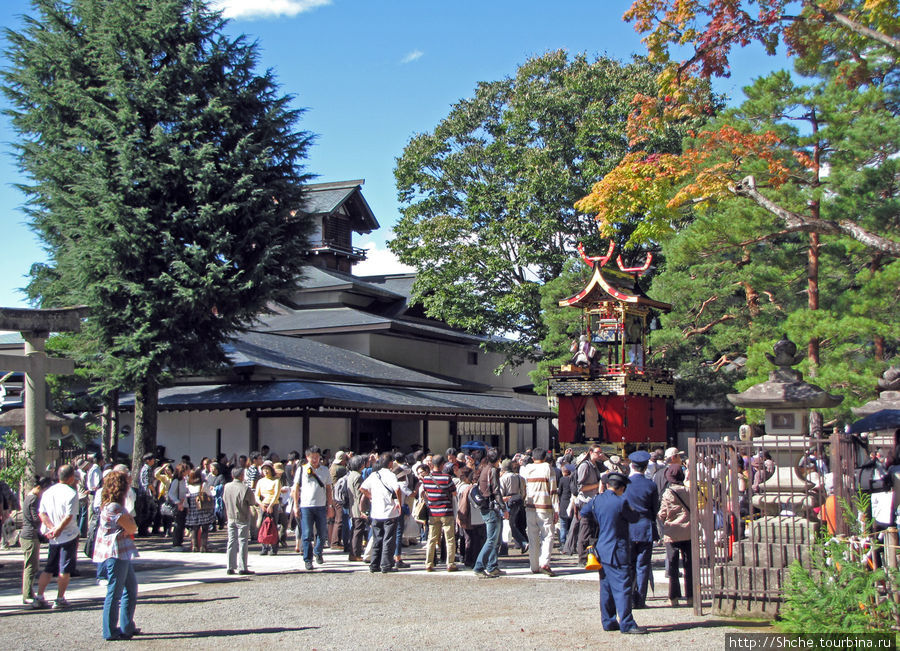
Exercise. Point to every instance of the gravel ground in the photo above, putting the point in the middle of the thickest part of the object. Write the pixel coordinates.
(343, 606)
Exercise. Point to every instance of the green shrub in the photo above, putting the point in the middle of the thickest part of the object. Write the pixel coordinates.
(840, 593)
(13, 472)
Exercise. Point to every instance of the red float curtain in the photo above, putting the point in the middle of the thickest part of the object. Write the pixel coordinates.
(569, 409)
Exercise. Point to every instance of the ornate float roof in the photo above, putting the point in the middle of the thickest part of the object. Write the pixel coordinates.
(613, 285)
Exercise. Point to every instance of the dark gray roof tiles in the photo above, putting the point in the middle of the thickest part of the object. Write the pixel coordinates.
(331, 395)
(316, 278)
(325, 198)
(347, 319)
(311, 359)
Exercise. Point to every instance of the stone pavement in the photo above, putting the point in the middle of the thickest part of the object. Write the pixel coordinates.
(188, 597)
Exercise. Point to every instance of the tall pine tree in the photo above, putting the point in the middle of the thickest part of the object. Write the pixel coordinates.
(165, 180)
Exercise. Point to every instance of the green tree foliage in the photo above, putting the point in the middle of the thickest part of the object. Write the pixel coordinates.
(563, 324)
(165, 174)
(738, 279)
(17, 460)
(488, 196)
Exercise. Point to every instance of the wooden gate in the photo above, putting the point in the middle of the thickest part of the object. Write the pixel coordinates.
(759, 506)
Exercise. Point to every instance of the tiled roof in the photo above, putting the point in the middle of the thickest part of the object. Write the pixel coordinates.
(325, 198)
(347, 319)
(316, 278)
(305, 358)
(337, 396)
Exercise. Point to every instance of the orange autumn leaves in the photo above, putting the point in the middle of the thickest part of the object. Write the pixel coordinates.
(657, 187)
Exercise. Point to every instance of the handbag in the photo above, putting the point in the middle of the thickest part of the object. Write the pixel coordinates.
(593, 561)
(479, 500)
(167, 509)
(420, 511)
(268, 532)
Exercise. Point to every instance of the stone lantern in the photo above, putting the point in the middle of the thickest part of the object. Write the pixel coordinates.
(785, 397)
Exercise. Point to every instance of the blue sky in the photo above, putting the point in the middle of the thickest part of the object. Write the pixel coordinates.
(371, 73)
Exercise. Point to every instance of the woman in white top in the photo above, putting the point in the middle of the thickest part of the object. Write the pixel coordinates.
(200, 512)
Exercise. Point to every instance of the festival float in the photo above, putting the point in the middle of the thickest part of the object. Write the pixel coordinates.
(610, 392)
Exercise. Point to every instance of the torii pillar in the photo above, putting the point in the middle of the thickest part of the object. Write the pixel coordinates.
(35, 326)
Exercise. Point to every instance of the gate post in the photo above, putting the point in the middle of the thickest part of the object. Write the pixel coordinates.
(695, 527)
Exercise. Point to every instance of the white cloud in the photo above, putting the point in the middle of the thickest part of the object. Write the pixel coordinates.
(412, 56)
(380, 262)
(267, 8)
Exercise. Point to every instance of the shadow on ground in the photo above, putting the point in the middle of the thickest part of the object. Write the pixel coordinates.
(191, 635)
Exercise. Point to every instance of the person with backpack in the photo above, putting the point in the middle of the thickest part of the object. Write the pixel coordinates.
(336, 524)
(493, 511)
(356, 504)
(587, 478)
(512, 487)
(471, 528)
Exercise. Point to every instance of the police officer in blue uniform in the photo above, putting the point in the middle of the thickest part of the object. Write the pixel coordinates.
(613, 515)
(643, 498)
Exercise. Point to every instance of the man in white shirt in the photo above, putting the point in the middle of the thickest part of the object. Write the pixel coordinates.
(314, 504)
(541, 507)
(384, 493)
(58, 512)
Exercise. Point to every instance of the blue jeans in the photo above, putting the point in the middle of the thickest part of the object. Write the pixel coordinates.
(564, 525)
(345, 530)
(121, 598)
(309, 516)
(488, 557)
(398, 537)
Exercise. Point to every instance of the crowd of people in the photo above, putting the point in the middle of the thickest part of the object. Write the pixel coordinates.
(468, 507)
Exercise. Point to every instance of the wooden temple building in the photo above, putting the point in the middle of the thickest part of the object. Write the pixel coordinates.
(610, 393)
(351, 361)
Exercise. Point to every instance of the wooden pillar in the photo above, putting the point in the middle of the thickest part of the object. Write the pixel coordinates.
(454, 434)
(695, 527)
(534, 422)
(254, 430)
(304, 434)
(506, 439)
(218, 442)
(425, 443)
(354, 431)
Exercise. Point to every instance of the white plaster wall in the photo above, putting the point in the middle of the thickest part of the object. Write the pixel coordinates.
(194, 433)
(358, 343)
(329, 432)
(438, 436)
(447, 359)
(281, 434)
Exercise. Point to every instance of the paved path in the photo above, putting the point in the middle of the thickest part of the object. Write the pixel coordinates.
(187, 598)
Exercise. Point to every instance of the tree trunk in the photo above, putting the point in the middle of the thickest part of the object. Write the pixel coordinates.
(879, 348)
(146, 400)
(815, 417)
(109, 426)
(812, 280)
